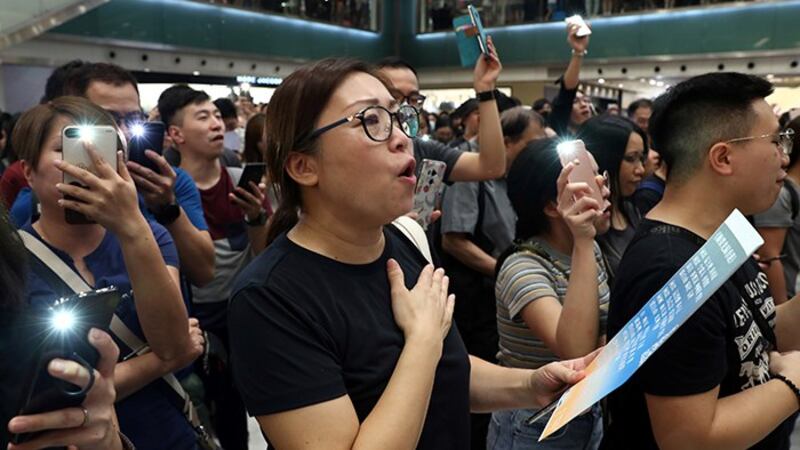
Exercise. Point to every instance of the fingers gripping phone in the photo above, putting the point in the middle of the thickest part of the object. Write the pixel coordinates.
(583, 171)
(252, 172)
(73, 140)
(428, 191)
(146, 136)
(61, 331)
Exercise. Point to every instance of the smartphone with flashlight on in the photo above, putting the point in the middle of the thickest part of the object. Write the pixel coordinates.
(73, 140)
(61, 331)
(146, 136)
(583, 172)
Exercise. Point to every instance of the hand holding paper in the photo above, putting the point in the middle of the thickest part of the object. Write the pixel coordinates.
(724, 252)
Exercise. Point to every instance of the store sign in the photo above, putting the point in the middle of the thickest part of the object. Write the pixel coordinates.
(259, 81)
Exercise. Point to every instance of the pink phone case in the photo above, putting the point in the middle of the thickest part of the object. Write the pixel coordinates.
(583, 171)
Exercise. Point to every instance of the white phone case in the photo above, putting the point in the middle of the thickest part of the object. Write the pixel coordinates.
(429, 190)
(104, 139)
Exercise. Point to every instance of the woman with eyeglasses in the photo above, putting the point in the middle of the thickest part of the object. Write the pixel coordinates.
(341, 331)
(620, 148)
(552, 289)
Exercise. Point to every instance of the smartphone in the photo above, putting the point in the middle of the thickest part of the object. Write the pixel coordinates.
(475, 17)
(61, 331)
(146, 136)
(543, 412)
(583, 172)
(428, 191)
(251, 172)
(583, 29)
(104, 139)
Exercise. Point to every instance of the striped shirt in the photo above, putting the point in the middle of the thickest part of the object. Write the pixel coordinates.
(524, 278)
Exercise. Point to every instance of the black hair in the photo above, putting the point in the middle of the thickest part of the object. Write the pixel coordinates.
(7, 123)
(539, 104)
(54, 87)
(13, 267)
(640, 103)
(697, 113)
(516, 120)
(393, 62)
(77, 81)
(531, 183)
(505, 102)
(177, 97)
(226, 108)
(606, 138)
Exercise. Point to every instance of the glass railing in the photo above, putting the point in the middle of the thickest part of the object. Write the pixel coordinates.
(437, 15)
(360, 14)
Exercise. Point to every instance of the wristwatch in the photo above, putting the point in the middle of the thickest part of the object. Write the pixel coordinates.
(260, 220)
(167, 214)
(485, 96)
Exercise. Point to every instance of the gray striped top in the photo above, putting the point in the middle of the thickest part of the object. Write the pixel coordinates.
(524, 278)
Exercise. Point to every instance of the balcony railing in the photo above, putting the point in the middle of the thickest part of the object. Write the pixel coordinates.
(437, 15)
(360, 14)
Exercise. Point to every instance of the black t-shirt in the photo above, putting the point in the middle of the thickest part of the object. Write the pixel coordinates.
(16, 358)
(306, 329)
(724, 343)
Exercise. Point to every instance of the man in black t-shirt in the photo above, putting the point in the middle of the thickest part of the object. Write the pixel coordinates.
(714, 383)
(490, 163)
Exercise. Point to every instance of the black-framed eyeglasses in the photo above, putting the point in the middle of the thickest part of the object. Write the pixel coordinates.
(128, 119)
(378, 122)
(784, 139)
(414, 99)
(635, 158)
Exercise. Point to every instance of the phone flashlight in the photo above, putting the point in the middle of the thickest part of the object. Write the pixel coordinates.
(137, 130)
(63, 320)
(86, 133)
(567, 149)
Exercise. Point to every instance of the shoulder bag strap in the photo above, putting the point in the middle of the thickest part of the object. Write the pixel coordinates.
(414, 232)
(118, 327)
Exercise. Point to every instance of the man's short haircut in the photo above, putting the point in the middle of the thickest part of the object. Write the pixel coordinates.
(393, 62)
(175, 98)
(78, 81)
(699, 112)
(226, 108)
(516, 120)
(54, 87)
(538, 105)
(640, 103)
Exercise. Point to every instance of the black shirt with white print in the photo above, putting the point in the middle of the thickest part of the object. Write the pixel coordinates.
(724, 343)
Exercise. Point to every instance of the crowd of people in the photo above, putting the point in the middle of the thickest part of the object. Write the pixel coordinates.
(440, 13)
(313, 301)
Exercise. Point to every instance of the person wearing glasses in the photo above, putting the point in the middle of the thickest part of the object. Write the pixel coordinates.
(237, 220)
(729, 376)
(552, 288)
(489, 163)
(341, 331)
(169, 197)
(780, 227)
(620, 148)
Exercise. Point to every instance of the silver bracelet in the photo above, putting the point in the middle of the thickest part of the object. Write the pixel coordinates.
(576, 53)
